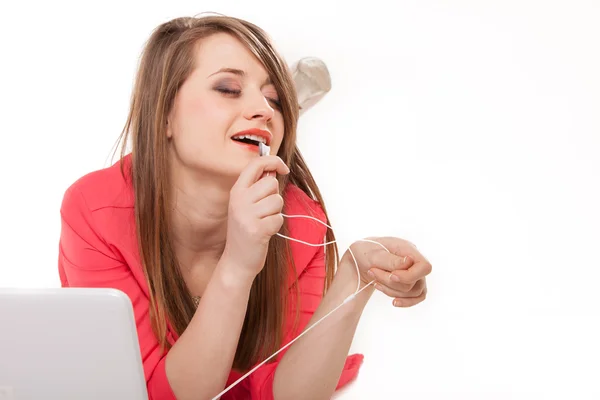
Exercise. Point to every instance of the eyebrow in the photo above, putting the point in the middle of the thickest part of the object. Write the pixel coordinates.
(239, 73)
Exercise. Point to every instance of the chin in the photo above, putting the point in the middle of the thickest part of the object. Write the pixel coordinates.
(227, 165)
(235, 167)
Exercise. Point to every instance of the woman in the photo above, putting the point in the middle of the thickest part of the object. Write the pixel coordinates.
(190, 225)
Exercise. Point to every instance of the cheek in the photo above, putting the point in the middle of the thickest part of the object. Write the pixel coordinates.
(201, 117)
(201, 126)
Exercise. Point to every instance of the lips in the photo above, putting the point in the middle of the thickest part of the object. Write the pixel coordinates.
(253, 136)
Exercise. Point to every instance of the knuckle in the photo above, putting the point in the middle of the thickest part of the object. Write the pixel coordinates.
(273, 226)
(401, 280)
(279, 201)
(398, 262)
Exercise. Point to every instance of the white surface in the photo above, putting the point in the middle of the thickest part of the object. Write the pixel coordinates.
(69, 344)
(470, 128)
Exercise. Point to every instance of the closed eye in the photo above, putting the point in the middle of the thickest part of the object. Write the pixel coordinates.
(228, 91)
(276, 103)
(234, 92)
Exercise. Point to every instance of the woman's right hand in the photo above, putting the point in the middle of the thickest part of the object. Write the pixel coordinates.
(254, 216)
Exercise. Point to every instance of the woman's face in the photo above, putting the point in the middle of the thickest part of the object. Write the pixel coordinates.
(227, 93)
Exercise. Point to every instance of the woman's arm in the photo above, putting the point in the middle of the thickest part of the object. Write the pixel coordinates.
(199, 363)
(312, 366)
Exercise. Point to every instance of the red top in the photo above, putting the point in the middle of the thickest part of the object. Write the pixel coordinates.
(98, 248)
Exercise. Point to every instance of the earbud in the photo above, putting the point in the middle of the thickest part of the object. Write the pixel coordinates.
(263, 149)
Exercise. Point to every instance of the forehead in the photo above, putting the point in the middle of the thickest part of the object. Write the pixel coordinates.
(222, 50)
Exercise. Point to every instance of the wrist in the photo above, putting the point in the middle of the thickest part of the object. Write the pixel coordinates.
(348, 277)
(229, 276)
(348, 267)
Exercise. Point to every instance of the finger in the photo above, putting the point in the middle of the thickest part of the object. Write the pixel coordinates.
(404, 302)
(416, 290)
(273, 223)
(257, 166)
(263, 188)
(269, 206)
(388, 291)
(400, 247)
(420, 269)
(388, 278)
(387, 261)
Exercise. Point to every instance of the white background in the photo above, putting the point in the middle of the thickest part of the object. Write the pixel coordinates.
(471, 128)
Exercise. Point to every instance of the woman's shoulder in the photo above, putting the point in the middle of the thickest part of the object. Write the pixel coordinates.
(101, 188)
(298, 203)
(297, 200)
(100, 204)
(97, 214)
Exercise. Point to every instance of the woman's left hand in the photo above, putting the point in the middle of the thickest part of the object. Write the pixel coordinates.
(400, 274)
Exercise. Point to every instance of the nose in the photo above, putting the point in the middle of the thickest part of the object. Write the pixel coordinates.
(258, 107)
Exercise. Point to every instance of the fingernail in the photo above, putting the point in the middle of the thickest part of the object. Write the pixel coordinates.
(371, 274)
(395, 278)
(396, 303)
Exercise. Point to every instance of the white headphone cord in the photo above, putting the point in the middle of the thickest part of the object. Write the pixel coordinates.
(349, 298)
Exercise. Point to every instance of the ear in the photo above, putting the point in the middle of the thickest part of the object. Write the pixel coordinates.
(312, 80)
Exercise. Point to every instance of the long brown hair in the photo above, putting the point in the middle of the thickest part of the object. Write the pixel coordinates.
(166, 62)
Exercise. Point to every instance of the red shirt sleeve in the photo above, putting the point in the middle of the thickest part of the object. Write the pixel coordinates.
(310, 283)
(86, 260)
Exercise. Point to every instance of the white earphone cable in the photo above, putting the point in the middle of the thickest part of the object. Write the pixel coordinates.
(348, 299)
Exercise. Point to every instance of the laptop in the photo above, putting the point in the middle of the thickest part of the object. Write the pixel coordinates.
(69, 343)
